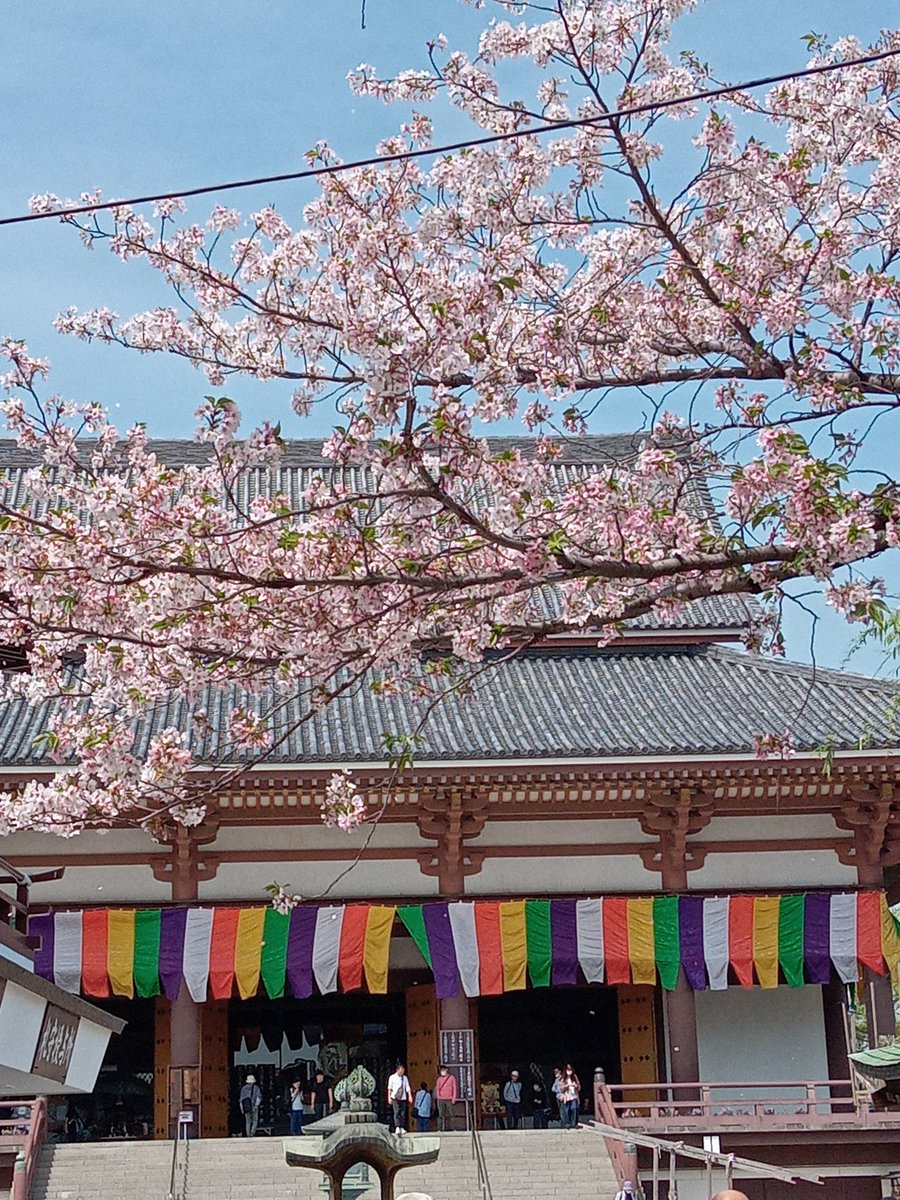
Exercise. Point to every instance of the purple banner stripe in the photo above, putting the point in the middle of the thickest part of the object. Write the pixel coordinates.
(171, 950)
(690, 929)
(300, 952)
(443, 950)
(43, 926)
(564, 942)
(816, 930)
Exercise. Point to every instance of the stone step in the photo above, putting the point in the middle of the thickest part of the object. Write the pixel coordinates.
(522, 1165)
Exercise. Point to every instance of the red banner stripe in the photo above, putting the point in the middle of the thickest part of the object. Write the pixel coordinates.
(615, 940)
(868, 931)
(740, 938)
(490, 948)
(353, 945)
(221, 952)
(94, 948)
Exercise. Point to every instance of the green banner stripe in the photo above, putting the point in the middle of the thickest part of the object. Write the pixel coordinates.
(538, 941)
(413, 918)
(273, 960)
(666, 940)
(790, 938)
(146, 951)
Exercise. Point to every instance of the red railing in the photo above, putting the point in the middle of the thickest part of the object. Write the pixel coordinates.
(23, 1129)
(687, 1106)
(624, 1161)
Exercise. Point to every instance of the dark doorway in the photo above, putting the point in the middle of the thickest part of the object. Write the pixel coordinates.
(121, 1104)
(536, 1030)
(282, 1040)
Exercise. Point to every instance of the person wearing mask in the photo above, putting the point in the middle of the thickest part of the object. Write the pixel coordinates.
(512, 1098)
(445, 1092)
(296, 1107)
(399, 1095)
(321, 1097)
(422, 1106)
(537, 1105)
(627, 1191)
(251, 1099)
(569, 1094)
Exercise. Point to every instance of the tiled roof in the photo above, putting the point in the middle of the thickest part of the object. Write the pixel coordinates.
(303, 461)
(557, 704)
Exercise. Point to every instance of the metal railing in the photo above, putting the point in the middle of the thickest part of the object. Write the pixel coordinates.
(478, 1154)
(178, 1183)
(687, 1106)
(729, 1163)
(23, 1128)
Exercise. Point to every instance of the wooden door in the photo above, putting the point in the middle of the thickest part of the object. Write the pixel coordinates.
(162, 1056)
(422, 1035)
(214, 1069)
(637, 1036)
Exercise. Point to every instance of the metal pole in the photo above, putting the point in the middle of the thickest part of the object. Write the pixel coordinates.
(655, 1184)
(709, 1179)
(729, 1172)
(673, 1184)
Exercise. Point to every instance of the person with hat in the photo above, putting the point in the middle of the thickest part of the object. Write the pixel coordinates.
(512, 1098)
(251, 1099)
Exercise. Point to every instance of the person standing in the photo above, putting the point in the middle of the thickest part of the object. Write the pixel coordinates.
(512, 1098)
(251, 1099)
(296, 1107)
(445, 1092)
(321, 1097)
(537, 1103)
(422, 1106)
(399, 1095)
(556, 1087)
(569, 1094)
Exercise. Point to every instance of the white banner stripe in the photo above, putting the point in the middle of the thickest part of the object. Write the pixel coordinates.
(465, 941)
(195, 958)
(842, 937)
(715, 941)
(589, 924)
(67, 951)
(327, 948)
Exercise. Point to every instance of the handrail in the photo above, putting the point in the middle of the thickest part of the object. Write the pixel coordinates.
(478, 1154)
(171, 1194)
(820, 1102)
(34, 1135)
(604, 1110)
(748, 1166)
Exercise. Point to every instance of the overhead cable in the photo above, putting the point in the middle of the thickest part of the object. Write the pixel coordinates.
(469, 143)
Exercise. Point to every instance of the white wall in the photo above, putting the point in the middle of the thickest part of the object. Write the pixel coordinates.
(87, 1055)
(582, 875)
(799, 868)
(21, 1017)
(761, 1035)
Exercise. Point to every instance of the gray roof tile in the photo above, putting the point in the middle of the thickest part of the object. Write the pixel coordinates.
(560, 704)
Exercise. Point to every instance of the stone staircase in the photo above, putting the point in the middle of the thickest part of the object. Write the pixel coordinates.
(521, 1164)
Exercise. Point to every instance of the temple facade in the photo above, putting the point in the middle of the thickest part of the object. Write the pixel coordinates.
(587, 863)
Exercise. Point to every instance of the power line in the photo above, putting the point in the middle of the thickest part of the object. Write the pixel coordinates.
(488, 140)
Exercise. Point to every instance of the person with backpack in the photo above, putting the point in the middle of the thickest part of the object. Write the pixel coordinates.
(512, 1098)
(422, 1106)
(251, 1099)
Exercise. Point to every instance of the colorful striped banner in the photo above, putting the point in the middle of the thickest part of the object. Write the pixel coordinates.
(489, 947)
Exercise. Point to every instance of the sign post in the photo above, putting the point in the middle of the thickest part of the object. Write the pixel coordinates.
(458, 1053)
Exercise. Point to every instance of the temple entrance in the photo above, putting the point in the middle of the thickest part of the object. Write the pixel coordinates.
(535, 1030)
(278, 1041)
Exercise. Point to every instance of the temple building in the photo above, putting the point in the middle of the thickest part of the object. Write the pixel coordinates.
(587, 863)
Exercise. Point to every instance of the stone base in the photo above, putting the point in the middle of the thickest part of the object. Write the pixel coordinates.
(339, 1120)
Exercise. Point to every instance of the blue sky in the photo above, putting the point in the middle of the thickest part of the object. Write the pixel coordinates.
(138, 97)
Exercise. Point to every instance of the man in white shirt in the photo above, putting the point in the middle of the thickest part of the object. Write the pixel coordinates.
(399, 1095)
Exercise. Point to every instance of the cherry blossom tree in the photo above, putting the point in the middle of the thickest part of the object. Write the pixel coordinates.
(729, 264)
